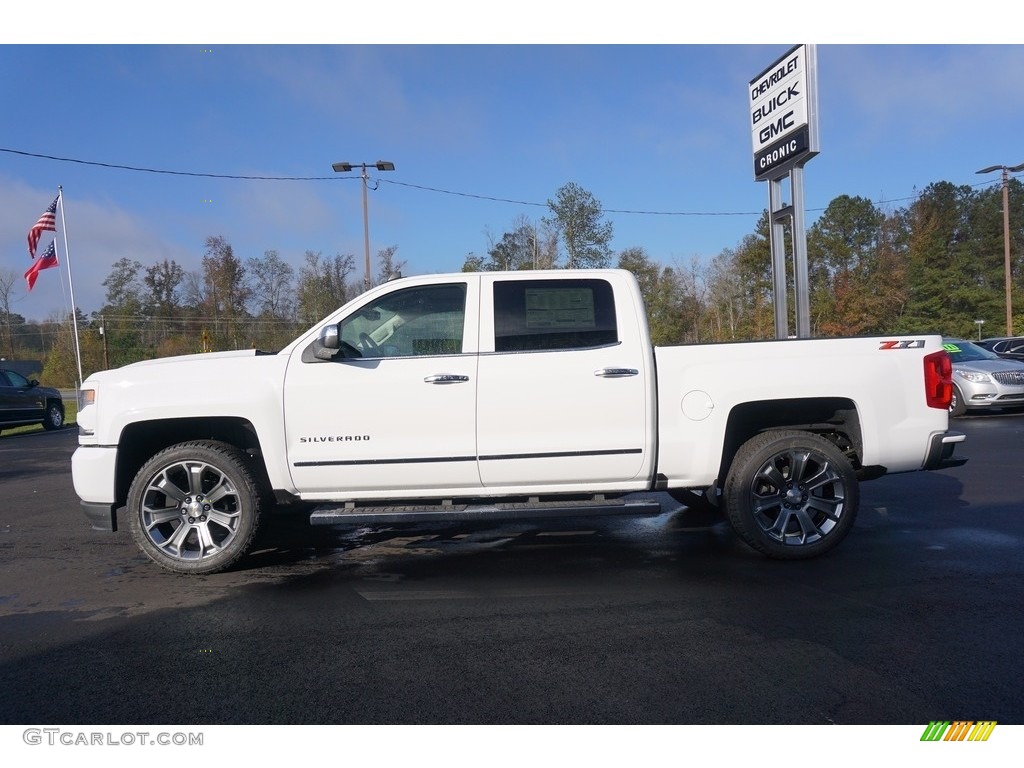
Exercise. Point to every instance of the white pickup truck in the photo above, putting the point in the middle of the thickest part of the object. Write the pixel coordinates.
(505, 396)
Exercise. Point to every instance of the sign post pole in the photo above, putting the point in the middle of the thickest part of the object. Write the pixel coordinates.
(784, 131)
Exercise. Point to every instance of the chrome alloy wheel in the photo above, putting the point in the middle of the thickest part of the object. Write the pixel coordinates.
(190, 510)
(797, 497)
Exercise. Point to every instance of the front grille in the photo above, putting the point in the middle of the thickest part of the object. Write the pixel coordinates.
(1010, 378)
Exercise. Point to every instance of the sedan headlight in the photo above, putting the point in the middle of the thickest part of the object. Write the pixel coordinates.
(975, 376)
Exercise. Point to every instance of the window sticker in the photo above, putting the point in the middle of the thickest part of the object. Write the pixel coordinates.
(560, 308)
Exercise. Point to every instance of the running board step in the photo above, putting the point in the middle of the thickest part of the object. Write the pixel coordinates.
(440, 513)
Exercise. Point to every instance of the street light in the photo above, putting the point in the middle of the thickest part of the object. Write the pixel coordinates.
(1006, 234)
(380, 165)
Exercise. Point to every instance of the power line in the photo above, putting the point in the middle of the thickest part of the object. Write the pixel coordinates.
(166, 171)
(196, 174)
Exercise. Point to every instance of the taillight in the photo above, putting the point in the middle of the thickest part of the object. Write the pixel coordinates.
(938, 380)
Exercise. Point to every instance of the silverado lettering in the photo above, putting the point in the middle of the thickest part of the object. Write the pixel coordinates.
(334, 439)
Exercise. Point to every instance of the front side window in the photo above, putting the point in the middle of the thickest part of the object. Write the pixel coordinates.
(15, 379)
(426, 320)
(540, 315)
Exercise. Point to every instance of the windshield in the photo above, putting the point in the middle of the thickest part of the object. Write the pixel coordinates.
(961, 351)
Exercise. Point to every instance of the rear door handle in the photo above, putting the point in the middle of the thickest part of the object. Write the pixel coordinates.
(446, 378)
(616, 373)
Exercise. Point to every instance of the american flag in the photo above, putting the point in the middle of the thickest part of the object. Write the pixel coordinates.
(47, 260)
(47, 223)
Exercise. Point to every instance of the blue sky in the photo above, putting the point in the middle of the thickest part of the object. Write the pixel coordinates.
(479, 134)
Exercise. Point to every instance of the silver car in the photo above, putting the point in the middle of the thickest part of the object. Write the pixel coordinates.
(982, 379)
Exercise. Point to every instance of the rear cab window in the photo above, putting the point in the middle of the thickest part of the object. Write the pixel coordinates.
(547, 315)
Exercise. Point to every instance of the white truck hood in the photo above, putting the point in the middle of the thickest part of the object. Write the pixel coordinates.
(197, 356)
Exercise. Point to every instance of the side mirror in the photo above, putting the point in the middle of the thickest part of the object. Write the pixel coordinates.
(328, 343)
(33, 382)
(330, 346)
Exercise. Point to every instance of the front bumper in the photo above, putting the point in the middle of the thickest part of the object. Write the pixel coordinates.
(92, 472)
(101, 515)
(940, 451)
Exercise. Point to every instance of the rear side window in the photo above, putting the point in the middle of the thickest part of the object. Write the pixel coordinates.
(540, 315)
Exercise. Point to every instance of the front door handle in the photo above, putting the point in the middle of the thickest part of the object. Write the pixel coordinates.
(446, 378)
(616, 373)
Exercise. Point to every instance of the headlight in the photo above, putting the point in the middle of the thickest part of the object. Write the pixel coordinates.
(86, 415)
(974, 376)
(86, 397)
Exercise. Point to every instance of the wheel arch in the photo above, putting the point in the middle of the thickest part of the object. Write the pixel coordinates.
(141, 440)
(834, 418)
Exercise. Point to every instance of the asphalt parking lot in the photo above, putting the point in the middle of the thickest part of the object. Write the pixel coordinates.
(670, 620)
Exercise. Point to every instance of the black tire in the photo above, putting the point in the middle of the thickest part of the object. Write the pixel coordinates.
(54, 418)
(791, 495)
(957, 406)
(195, 507)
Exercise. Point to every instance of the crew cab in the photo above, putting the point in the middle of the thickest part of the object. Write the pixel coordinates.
(480, 396)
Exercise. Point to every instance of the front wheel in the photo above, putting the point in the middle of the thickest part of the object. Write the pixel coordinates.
(194, 507)
(791, 495)
(54, 418)
(957, 406)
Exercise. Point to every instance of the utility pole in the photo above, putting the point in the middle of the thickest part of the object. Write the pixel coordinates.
(1006, 236)
(380, 165)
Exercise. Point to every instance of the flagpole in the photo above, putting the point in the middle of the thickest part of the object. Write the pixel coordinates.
(71, 283)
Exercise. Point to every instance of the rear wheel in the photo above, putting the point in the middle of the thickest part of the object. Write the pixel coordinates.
(195, 507)
(791, 495)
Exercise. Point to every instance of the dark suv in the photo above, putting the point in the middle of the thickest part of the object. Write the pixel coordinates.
(1009, 347)
(23, 401)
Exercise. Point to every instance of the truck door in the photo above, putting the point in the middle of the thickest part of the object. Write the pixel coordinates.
(396, 408)
(563, 392)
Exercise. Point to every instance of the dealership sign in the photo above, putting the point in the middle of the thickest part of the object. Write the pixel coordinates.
(783, 113)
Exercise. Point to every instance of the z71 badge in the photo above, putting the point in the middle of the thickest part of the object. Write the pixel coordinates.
(915, 344)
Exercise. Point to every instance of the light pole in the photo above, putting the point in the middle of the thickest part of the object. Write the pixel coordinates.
(380, 165)
(1006, 234)
(979, 323)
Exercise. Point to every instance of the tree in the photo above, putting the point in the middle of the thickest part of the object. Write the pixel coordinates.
(576, 216)
(8, 279)
(987, 218)
(517, 248)
(323, 285)
(164, 281)
(524, 246)
(390, 267)
(272, 291)
(751, 263)
(660, 288)
(224, 280)
(473, 263)
(725, 296)
(124, 291)
(848, 275)
(946, 273)
(61, 366)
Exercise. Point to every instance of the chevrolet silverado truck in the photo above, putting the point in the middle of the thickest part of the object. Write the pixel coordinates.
(498, 396)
